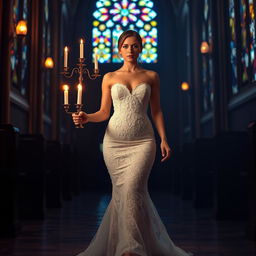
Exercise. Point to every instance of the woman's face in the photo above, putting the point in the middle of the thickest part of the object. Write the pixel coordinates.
(130, 49)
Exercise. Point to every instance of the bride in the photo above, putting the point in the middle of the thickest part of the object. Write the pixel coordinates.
(131, 225)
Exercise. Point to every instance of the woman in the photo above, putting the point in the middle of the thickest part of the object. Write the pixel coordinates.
(131, 225)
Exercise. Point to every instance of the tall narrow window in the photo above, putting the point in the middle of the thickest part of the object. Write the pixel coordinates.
(112, 17)
(252, 38)
(46, 52)
(207, 62)
(233, 47)
(20, 48)
(242, 43)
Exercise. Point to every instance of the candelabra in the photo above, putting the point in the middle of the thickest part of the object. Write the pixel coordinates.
(81, 69)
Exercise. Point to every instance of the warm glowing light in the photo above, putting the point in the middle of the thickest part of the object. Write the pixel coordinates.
(21, 28)
(79, 94)
(65, 57)
(65, 87)
(81, 49)
(49, 62)
(204, 47)
(184, 86)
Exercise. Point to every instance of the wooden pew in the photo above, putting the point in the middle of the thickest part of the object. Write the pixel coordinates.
(175, 163)
(203, 173)
(9, 216)
(187, 171)
(251, 225)
(231, 183)
(31, 163)
(76, 184)
(66, 166)
(53, 174)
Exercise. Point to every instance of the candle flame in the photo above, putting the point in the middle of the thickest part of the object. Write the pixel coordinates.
(66, 49)
(81, 41)
(65, 87)
(79, 86)
(185, 86)
(204, 47)
(49, 62)
(21, 28)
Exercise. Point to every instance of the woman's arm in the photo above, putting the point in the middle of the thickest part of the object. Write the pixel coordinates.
(104, 111)
(157, 116)
(106, 102)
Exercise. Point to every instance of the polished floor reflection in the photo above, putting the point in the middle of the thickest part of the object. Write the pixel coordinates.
(67, 231)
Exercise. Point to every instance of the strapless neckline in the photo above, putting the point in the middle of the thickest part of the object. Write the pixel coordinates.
(133, 89)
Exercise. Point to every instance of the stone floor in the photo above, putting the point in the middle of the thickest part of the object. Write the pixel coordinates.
(68, 231)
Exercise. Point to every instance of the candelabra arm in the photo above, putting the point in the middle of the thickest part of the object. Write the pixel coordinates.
(93, 76)
(69, 75)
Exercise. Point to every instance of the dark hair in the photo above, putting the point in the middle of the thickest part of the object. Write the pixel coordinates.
(126, 34)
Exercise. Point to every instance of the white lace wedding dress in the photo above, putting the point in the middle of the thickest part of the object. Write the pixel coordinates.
(131, 222)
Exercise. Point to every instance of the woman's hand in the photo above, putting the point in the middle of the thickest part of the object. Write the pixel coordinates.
(80, 118)
(165, 149)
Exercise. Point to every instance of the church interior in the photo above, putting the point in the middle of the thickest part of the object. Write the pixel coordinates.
(54, 184)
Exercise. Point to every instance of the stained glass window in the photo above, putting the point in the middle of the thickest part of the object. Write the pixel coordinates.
(46, 52)
(242, 43)
(233, 47)
(112, 17)
(19, 49)
(252, 38)
(207, 62)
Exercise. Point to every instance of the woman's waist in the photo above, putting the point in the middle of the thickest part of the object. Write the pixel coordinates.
(138, 127)
(129, 117)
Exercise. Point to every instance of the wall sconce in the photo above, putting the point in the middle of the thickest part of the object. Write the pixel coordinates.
(184, 86)
(49, 62)
(21, 28)
(205, 48)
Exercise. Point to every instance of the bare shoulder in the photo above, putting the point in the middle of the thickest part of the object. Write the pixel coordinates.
(152, 74)
(108, 76)
(153, 77)
(107, 79)
(111, 75)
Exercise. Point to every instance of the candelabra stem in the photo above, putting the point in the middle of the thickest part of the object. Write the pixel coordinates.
(78, 110)
(81, 65)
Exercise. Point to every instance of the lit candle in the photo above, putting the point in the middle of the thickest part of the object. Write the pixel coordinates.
(21, 28)
(65, 88)
(79, 94)
(81, 49)
(96, 65)
(65, 57)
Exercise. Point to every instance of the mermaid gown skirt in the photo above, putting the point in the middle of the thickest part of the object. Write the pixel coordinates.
(131, 222)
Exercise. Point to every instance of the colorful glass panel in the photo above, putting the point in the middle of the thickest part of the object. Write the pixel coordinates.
(46, 52)
(252, 38)
(233, 46)
(14, 47)
(113, 17)
(19, 48)
(244, 46)
(207, 62)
